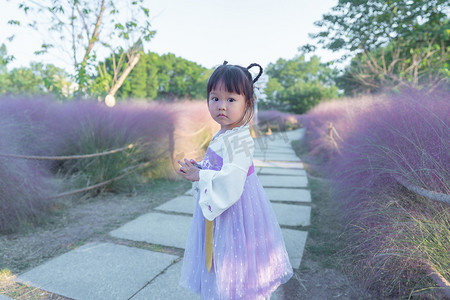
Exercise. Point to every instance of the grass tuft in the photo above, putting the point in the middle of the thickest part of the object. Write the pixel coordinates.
(156, 133)
(364, 145)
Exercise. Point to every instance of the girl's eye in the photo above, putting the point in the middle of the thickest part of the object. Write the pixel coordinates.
(231, 100)
(214, 99)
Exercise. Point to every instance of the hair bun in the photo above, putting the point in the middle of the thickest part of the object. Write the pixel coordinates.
(224, 62)
(260, 71)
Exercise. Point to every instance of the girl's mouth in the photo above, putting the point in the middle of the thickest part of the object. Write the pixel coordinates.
(221, 116)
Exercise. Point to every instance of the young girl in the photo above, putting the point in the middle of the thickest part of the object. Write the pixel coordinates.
(235, 249)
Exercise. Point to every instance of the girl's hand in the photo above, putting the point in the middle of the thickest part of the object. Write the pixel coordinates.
(188, 170)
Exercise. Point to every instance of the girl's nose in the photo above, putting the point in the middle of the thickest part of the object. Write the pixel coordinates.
(221, 104)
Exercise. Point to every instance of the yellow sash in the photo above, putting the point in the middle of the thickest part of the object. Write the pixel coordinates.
(209, 225)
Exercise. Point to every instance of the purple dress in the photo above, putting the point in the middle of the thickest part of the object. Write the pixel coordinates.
(249, 256)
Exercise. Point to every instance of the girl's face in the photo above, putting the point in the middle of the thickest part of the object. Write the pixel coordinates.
(226, 108)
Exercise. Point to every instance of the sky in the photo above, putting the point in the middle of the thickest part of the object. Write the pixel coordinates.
(203, 31)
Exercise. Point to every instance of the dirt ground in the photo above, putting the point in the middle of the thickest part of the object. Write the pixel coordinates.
(76, 222)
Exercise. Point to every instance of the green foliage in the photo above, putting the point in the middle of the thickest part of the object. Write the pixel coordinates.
(397, 43)
(54, 79)
(100, 169)
(355, 25)
(399, 64)
(21, 80)
(5, 59)
(165, 77)
(138, 79)
(297, 85)
(82, 27)
(37, 79)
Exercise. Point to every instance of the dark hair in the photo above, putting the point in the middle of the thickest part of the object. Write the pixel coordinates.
(236, 79)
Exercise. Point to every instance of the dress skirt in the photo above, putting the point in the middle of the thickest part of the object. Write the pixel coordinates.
(249, 256)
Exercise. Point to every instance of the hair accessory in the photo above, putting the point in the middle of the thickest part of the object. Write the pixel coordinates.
(224, 62)
(260, 71)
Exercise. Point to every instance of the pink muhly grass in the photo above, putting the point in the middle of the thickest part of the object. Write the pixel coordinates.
(24, 185)
(148, 127)
(276, 120)
(160, 134)
(409, 137)
(43, 127)
(194, 128)
(365, 146)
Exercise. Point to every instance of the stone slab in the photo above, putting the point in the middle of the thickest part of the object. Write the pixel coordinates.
(180, 204)
(268, 145)
(287, 194)
(264, 145)
(278, 164)
(278, 157)
(274, 150)
(156, 228)
(275, 138)
(283, 181)
(295, 241)
(292, 215)
(296, 134)
(98, 271)
(280, 171)
(278, 294)
(166, 286)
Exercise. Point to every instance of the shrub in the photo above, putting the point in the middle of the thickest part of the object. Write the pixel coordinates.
(24, 185)
(93, 128)
(367, 147)
(41, 127)
(276, 120)
(194, 128)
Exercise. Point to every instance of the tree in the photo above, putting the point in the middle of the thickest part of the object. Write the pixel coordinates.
(82, 27)
(297, 85)
(180, 78)
(109, 84)
(5, 59)
(394, 42)
(166, 77)
(54, 80)
(36, 80)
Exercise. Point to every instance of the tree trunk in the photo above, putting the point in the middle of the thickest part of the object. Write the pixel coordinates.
(133, 61)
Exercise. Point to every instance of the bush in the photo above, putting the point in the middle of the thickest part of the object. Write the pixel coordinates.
(24, 185)
(367, 147)
(42, 127)
(273, 120)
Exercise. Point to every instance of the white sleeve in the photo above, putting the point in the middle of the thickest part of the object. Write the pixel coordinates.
(219, 190)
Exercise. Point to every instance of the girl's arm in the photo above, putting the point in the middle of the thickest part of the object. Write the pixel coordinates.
(218, 190)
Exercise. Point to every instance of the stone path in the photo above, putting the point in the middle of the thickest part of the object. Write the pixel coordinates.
(113, 271)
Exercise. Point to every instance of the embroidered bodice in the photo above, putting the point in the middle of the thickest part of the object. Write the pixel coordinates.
(224, 170)
(212, 161)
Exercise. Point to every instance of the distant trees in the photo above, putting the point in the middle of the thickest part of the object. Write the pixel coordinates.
(164, 77)
(80, 28)
(297, 85)
(34, 80)
(394, 43)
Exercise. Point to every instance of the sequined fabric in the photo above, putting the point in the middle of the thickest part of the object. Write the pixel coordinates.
(249, 256)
